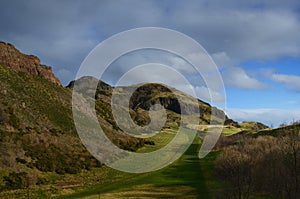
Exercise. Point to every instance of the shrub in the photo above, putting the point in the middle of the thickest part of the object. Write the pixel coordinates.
(13, 120)
(20, 160)
(3, 117)
(15, 180)
(264, 164)
(42, 181)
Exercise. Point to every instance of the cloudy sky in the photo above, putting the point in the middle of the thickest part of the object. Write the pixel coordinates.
(255, 44)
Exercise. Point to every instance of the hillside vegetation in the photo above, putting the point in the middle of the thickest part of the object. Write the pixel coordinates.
(38, 134)
(39, 145)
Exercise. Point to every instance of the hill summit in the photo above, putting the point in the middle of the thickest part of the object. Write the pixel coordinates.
(13, 58)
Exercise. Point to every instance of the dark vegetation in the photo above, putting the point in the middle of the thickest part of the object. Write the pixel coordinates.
(266, 164)
(37, 134)
(16, 180)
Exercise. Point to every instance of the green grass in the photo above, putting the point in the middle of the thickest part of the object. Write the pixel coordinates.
(188, 177)
(231, 130)
(46, 105)
(160, 139)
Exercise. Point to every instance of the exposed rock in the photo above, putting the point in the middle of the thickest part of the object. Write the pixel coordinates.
(12, 57)
(23, 105)
(150, 94)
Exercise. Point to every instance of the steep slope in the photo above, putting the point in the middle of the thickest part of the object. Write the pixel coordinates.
(10, 56)
(29, 101)
(37, 134)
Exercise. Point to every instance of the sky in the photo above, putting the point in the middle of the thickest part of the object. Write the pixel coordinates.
(255, 44)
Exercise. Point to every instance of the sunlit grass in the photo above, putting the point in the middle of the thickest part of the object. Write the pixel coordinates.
(188, 177)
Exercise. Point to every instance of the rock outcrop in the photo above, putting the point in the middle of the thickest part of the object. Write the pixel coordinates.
(13, 58)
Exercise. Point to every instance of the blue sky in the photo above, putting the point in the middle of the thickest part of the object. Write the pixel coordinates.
(255, 44)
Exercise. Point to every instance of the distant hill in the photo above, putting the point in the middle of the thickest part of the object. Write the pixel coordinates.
(253, 126)
(293, 128)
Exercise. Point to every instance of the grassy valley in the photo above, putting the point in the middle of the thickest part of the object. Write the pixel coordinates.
(41, 155)
(188, 177)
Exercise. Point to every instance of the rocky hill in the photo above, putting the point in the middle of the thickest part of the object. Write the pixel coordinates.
(37, 133)
(12, 57)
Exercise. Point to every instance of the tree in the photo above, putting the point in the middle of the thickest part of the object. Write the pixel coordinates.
(265, 164)
(235, 169)
(290, 146)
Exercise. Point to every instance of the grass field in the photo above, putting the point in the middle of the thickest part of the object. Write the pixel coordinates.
(188, 177)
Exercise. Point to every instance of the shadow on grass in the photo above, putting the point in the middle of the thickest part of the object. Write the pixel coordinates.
(185, 172)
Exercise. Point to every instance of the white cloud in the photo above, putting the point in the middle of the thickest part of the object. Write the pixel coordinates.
(237, 77)
(206, 94)
(221, 59)
(291, 81)
(145, 56)
(267, 116)
(177, 63)
(150, 73)
(202, 93)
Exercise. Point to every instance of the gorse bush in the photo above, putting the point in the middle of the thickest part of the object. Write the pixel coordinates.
(3, 115)
(15, 180)
(262, 165)
(53, 159)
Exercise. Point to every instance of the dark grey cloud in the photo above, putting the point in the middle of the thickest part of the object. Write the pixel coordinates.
(62, 33)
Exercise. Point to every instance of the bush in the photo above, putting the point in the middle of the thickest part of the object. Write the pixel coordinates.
(13, 120)
(42, 181)
(15, 180)
(3, 117)
(20, 160)
(149, 142)
(265, 165)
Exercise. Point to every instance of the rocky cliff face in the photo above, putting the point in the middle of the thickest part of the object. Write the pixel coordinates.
(12, 57)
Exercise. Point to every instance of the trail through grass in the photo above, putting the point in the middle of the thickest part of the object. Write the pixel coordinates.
(187, 177)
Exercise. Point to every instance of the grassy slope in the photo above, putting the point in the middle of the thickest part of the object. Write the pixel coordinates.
(247, 127)
(36, 102)
(188, 177)
(36, 125)
(279, 131)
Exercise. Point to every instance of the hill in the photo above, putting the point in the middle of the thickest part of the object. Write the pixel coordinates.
(38, 140)
(12, 57)
(281, 131)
